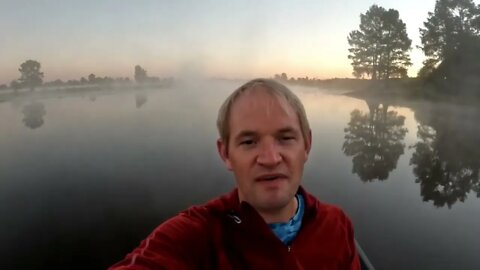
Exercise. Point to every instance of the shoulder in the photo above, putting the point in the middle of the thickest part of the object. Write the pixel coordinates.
(326, 213)
(181, 242)
(196, 221)
(333, 223)
(331, 211)
(187, 225)
(171, 244)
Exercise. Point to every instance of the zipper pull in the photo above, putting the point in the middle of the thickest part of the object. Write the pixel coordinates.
(289, 248)
(235, 218)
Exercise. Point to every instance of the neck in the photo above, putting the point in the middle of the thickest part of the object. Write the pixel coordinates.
(283, 214)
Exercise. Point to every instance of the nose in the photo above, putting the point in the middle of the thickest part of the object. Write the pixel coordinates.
(269, 155)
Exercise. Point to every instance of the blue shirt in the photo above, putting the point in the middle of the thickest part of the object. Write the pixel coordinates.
(286, 231)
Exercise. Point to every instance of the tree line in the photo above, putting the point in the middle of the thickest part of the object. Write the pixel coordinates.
(32, 77)
(450, 39)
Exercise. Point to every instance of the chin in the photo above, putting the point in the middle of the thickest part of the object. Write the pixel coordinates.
(274, 203)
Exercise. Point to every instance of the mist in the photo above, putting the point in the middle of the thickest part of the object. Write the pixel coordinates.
(108, 120)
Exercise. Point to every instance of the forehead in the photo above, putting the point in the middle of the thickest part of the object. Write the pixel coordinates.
(260, 108)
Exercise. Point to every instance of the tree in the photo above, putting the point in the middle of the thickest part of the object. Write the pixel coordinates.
(450, 41)
(375, 141)
(140, 100)
(281, 77)
(446, 160)
(15, 85)
(92, 78)
(446, 27)
(380, 49)
(33, 115)
(30, 74)
(140, 74)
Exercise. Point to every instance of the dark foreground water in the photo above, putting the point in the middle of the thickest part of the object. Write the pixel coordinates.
(85, 177)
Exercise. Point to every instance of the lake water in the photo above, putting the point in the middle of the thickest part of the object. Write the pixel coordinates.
(85, 177)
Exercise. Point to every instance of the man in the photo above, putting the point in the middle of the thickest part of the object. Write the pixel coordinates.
(269, 221)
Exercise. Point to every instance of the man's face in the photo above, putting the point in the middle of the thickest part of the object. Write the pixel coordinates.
(266, 150)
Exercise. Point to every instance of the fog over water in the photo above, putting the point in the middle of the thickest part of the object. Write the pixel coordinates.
(85, 177)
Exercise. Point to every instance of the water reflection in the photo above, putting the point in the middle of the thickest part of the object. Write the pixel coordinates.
(140, 100)
(33, 114)
(98, 193)
(446, 160)
(375, 141)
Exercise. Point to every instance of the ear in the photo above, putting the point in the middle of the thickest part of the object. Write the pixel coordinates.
(308, 144)
(222, 148)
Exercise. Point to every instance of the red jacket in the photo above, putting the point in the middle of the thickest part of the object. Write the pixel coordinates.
(225, 234)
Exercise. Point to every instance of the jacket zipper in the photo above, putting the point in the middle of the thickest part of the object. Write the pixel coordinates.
(289, 248)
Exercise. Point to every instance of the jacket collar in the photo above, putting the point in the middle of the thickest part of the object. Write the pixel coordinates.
(231, 205)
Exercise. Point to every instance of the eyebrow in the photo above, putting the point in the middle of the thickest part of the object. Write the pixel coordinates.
(249, 133)
(245, 133)
(287, 130)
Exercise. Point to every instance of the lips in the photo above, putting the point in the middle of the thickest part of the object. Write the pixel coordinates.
(270, 177)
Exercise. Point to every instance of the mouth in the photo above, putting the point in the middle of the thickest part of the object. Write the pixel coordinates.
(270, 177)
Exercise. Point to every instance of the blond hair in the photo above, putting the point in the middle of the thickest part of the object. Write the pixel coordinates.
(273, 87)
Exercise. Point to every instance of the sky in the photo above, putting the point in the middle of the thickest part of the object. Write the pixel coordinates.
(222, 39)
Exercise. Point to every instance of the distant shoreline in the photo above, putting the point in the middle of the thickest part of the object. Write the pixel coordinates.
(406, 88)
(413, 89)
(8, 94)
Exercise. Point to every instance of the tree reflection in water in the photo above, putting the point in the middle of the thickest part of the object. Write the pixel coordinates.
(33, 114)
(446, 160)
(140, 100)
(375, 140)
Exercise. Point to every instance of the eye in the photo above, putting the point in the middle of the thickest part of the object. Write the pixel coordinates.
(286, 138)
(247, 142)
